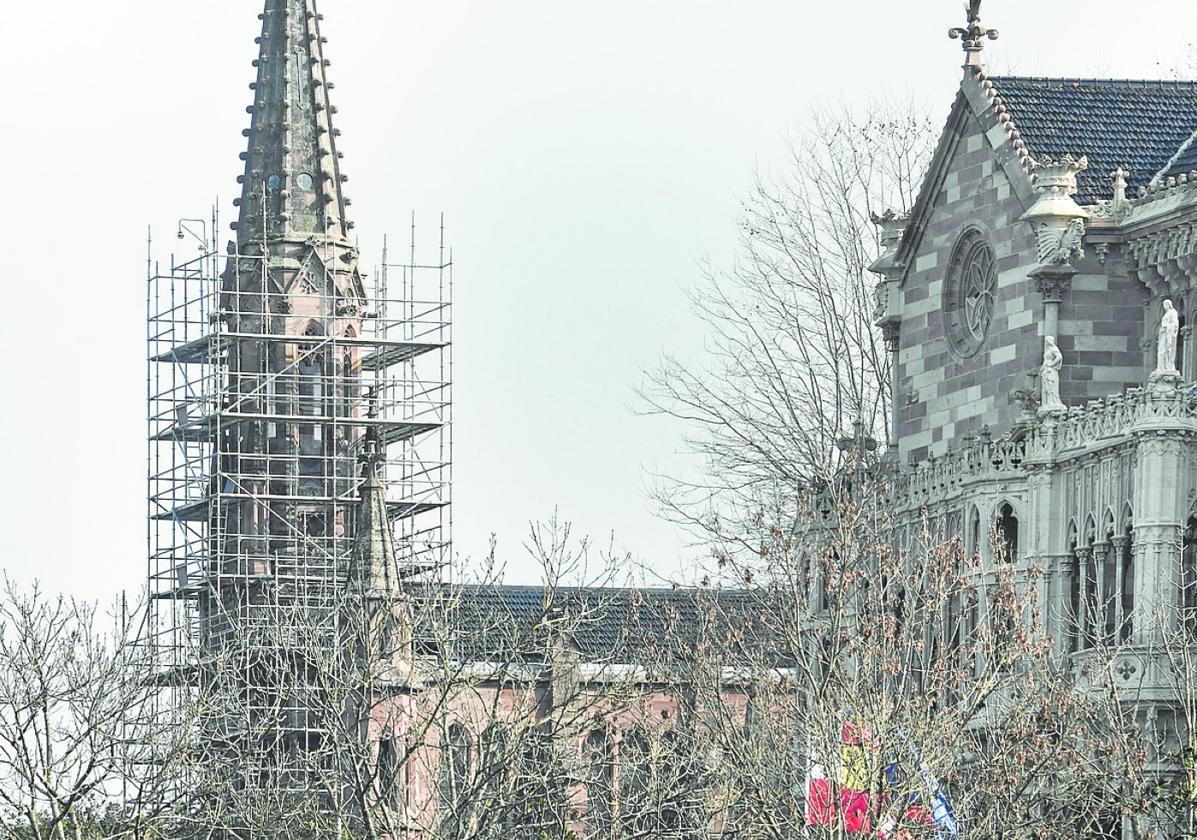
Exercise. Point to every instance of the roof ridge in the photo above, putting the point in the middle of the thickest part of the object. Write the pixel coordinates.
(1095, 79)
(1156, 177)
(532, 587)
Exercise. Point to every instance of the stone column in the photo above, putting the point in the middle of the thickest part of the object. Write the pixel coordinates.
(892, 334)
(1185, 360)
(1101, 559)
(1052, 282)
(1123, 617)
(1161, 468)
(1086, 606)
(1060, 623)
(1058, 224)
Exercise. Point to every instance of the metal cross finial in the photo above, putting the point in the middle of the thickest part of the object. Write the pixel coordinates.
(972, 35)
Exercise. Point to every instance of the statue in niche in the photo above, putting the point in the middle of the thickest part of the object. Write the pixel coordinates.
(1166, 342)
(1049, 378)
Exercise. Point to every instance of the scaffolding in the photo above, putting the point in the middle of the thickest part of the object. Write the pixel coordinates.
(257, 434)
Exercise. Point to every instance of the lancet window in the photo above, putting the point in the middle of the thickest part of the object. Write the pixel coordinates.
(1100, 585)
(455, 765)
(1007, 531)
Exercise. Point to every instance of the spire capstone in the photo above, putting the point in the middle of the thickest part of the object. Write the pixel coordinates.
(973, 34)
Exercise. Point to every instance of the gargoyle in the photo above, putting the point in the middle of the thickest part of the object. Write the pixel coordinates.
(1058, 247)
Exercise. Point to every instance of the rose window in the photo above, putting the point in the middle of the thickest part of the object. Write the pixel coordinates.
(970, 293)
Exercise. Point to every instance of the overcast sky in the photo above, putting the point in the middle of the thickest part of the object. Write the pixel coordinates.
(588, 156)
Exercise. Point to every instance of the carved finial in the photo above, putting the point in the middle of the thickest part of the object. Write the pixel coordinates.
(973, 34)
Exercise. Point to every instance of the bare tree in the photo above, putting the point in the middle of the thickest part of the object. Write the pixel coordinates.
(882, 656)
(793, 358)
(77, 732)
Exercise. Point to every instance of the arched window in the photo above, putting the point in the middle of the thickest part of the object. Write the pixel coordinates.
(600, 783)
(678, 784)
(1007, 532)
(973, 538)
(1127, 547)
(310, 394)
(392, 773)
(348, 372)
(455, 768)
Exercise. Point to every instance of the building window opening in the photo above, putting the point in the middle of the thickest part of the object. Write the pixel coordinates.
(1007, 533)
(392, 773)
(455, 768)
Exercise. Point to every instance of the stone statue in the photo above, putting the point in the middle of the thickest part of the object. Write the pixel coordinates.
(1166, 343)
(1049, 378)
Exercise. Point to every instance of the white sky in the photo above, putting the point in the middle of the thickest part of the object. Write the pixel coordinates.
(588, 156)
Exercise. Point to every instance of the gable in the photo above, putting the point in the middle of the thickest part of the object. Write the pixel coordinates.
(977, 111)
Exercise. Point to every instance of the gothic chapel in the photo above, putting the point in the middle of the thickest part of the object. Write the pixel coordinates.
(1038, 303)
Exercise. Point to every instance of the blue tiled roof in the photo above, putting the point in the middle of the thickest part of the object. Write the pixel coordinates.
(1138, 125)
(509, 623)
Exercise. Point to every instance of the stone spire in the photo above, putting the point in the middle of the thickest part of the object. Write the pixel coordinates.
(292, 186)
(973, 34)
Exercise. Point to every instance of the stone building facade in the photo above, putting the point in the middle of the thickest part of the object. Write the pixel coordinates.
(1037, 387)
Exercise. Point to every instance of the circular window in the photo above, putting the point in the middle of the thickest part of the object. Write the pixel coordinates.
(969, 293)
(273, 182)
(304, 181)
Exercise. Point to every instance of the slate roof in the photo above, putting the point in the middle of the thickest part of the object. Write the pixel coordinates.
(1138, 125)
(508, 623)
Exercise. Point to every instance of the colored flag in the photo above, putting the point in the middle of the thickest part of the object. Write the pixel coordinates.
(848, 799)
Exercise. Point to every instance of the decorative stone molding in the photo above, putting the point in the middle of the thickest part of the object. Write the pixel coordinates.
(1052, 284)
(1143, 417)
(1165, 261)
(349, 308)
(982, 458)
(1057, 221)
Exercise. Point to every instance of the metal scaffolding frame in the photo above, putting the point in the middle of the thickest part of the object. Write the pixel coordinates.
(254, 475)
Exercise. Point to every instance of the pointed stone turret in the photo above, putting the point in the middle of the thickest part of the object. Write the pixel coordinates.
(388, 617)
(292, 186)
(375, 550)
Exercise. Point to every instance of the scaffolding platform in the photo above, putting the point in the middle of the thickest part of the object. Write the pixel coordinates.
(258, 434)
